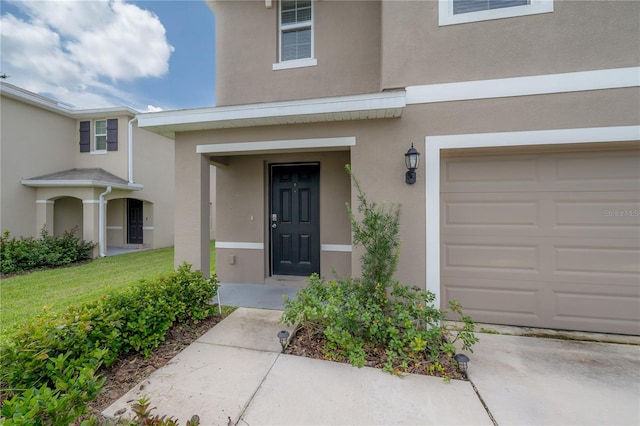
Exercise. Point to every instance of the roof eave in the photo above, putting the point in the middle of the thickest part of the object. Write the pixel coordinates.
(81, 184)
(356, 107)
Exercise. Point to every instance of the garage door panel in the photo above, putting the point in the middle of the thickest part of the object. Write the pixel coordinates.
(485, 300)
(604, 311)
(598, 170)
(557, 246)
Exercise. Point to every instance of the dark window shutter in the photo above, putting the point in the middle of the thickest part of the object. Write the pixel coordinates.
(112, 134)
(85, 136)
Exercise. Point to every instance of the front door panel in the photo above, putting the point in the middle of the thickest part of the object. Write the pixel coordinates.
(295, 219)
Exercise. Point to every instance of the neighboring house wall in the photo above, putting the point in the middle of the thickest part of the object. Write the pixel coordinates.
(33, 142)
(346, 45)
(39, 138)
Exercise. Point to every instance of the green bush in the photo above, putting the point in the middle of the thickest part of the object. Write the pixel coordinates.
(376, 314)
(25, 254)
(49, 366)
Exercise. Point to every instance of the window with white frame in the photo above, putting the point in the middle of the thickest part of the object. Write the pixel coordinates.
(461, 11)
(101, 135)
(296, 34)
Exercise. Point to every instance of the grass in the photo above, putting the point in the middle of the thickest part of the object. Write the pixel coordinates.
(23, 297)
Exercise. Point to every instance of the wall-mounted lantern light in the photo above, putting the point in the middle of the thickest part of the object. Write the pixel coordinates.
(412, 160)
(283, 336)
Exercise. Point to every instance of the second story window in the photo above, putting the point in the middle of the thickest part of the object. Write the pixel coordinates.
(461, 11)
(101, 135)
(296, 34)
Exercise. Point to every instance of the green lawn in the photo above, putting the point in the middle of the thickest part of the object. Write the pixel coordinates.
(23, 297)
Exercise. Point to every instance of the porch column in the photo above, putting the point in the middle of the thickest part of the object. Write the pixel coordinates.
(192, 209)
(90, 223)
(44, 216)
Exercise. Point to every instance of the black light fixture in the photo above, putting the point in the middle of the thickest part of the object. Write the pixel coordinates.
(462, 361)
(283, 336)
(412, 160)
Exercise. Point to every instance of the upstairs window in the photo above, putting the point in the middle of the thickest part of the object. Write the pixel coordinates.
(101, 135)
(461, 11)
(105, 136)
(296, 34)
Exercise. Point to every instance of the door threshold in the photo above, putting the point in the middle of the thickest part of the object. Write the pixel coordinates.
(291, 280)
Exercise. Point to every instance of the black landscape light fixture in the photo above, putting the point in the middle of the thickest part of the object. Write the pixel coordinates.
(412, 160)
(283, 336)
(462, 361)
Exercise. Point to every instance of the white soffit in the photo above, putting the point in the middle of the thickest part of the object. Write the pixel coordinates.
(356, 107)
(316, 144)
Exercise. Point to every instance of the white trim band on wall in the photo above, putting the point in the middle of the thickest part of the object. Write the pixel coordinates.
(147, 228)
(337, 247)
(614, 78)
(45, 202)
(434, 144)
(239, 245)
(114, 228)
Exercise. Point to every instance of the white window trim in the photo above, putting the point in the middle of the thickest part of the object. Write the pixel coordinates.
(295, 63)
(95, 137)
(446, 16)
(435, 144)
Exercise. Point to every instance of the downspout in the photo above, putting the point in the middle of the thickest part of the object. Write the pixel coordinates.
(131, 149)
(101, 219)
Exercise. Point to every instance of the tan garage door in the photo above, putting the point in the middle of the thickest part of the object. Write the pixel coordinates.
(543, 239)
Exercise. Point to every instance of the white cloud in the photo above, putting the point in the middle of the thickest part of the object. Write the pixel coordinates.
(77, 51)
(151, 108)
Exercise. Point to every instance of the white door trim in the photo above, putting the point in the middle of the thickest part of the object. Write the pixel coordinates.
(434, 144)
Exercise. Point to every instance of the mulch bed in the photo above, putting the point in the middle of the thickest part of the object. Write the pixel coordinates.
(313, 347)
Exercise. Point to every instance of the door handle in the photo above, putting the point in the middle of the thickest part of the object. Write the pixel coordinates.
(274, 220)
(274, 225)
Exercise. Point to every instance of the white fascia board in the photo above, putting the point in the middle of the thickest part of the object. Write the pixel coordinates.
(81, 183)
(276, 110)
(266, 146)
(523, 86)
(17, 93)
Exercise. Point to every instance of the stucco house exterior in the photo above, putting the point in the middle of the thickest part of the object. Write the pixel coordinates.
(91, 169)
(527, 117)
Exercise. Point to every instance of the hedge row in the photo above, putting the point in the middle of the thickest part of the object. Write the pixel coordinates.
(24, 254)
(48, 368)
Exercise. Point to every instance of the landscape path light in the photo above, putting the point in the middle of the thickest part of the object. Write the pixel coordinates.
(283, 336)
(462, 361)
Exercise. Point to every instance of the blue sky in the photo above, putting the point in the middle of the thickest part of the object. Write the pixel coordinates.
(150, 55)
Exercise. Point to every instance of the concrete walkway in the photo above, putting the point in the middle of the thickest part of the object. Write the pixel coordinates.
(235, 374)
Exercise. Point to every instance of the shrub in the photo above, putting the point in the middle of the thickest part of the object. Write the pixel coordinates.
(376, 314)
(48, 368)
(25, 254)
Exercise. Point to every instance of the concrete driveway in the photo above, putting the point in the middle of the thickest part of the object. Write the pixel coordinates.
(235, 374)
(541, 381)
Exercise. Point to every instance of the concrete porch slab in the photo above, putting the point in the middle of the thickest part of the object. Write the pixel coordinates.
(303, 391)
(248, 328)
(265, 296)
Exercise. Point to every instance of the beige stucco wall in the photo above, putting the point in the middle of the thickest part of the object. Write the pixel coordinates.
(33, 142)
(67, 216)
(576, 36)
(347, 47)
(154, 167)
